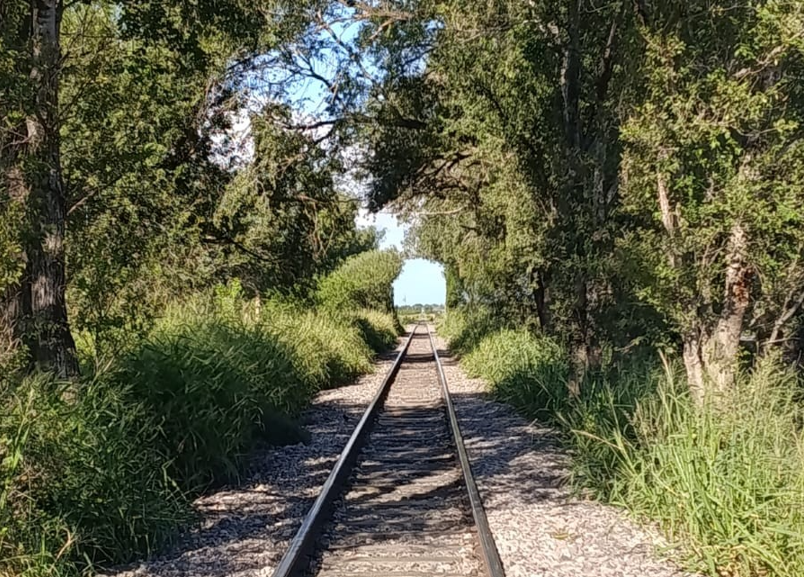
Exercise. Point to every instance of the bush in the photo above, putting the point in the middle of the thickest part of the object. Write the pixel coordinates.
(218, 377)
(98, 471)
(725, 482)
(212, 382)
(362, 281)
(527, 371)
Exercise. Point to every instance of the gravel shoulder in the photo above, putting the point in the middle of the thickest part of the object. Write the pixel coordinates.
(539, 528)
(246, 529)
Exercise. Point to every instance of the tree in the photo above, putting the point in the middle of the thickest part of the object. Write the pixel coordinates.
(515, 153)
(137, 122)
(35, 310)
(713, 173)
(549, 151)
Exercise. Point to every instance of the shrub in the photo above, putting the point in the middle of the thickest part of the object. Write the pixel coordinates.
(212, 381)
(220, 378)
(725, 482)
(79, 479)
(362, 281)
(525, 370)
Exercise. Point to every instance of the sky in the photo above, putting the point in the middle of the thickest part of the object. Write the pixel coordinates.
(422, 281)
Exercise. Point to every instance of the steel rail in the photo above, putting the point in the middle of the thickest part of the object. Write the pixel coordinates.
(296, 559)
(491, 557)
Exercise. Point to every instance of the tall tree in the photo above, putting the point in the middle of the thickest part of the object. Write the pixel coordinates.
(210, 46)
(35, 307)
(714, 173)
(578, 159)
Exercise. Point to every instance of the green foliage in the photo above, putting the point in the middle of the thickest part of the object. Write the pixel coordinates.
(611, 176)
(362, 281)
(723, 480)
(79, 478)
(99, 471)
(592, 180)
(283, 214)
(211, 381)
(161, 200)
(466, 327)
(488, 182)
(378, 328)
(725, 483)
(161, 205)
(723, 137)
(526, 371)
(327, 347)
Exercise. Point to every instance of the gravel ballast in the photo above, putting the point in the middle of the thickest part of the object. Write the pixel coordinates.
(246, 529)
(539, 528)
(405, 512)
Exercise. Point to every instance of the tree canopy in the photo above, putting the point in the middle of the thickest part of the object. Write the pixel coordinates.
(603, 174)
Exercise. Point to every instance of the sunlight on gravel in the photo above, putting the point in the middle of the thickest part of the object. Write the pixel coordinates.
(246, 529)
(540, 530)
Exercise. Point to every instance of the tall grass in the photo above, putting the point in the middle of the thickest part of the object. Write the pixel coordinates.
(80, 481)
(100, 471)
(524, 371)
(214, 383)
(378, 329)
(725, 481)
(465, 327)
(328, 346)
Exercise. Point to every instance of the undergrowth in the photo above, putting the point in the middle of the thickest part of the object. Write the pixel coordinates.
(102, 470)
(724, 481)
(362, 281)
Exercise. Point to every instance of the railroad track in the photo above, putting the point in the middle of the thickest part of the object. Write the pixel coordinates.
(401, 500)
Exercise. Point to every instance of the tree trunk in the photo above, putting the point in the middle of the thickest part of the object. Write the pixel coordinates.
(571, 92)
(581, 338)
(720, 351)
(710, 357)
(47, 332)
(543, 302)
(694, 366)
(571, 78)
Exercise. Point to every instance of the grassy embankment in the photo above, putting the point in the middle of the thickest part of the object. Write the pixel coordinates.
(102, 470)
(725, 484)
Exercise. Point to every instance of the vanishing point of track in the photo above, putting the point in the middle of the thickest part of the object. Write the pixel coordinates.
(401, 500)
